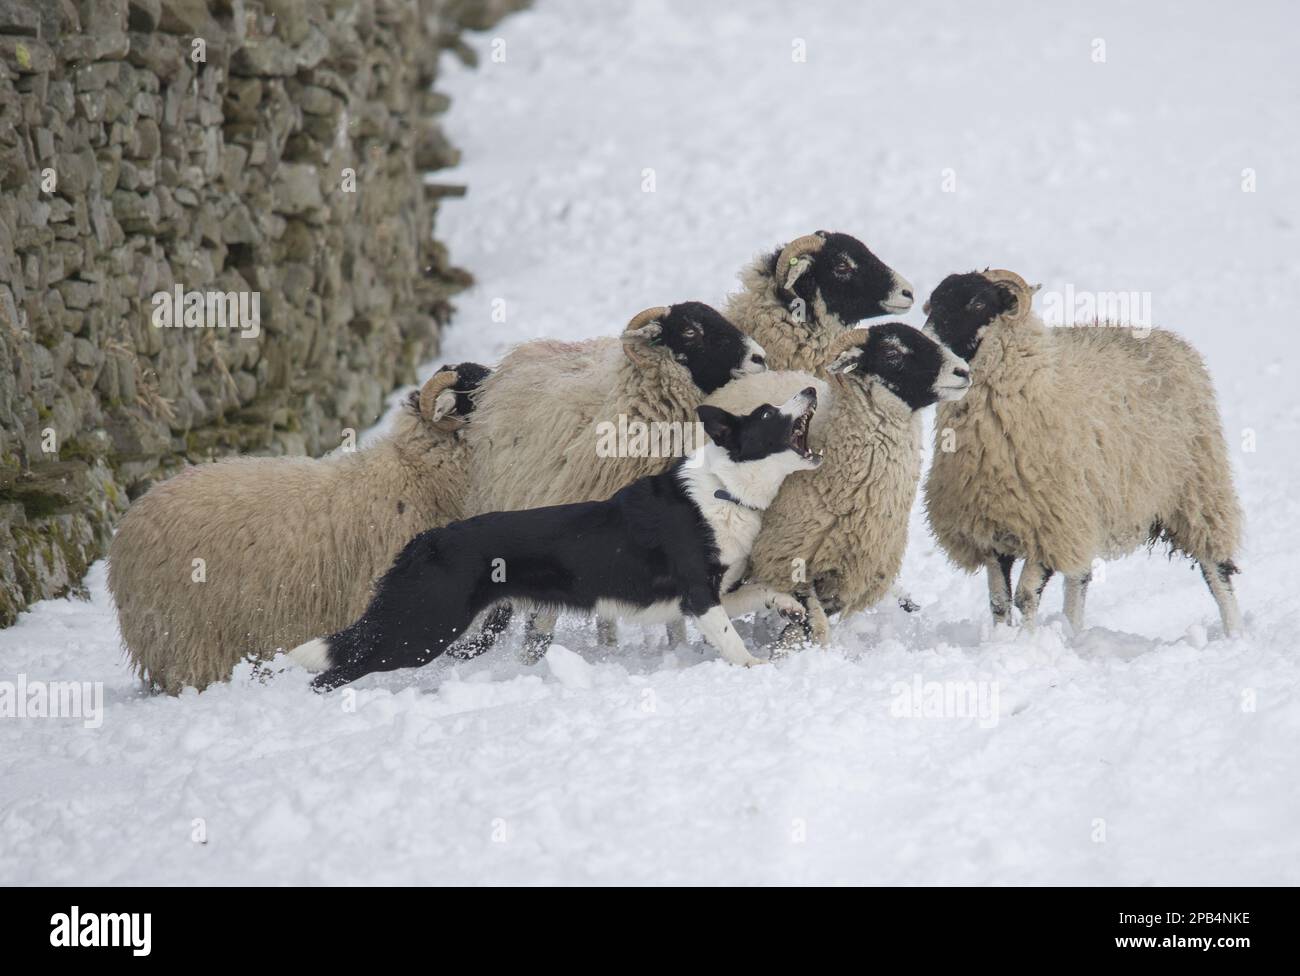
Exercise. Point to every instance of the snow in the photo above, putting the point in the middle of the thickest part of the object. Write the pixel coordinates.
(1146, 751)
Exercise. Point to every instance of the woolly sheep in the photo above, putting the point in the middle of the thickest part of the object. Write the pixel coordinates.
(289, 546)
(798, 299)
(1074, 444)
(544, 408)
(835, 538)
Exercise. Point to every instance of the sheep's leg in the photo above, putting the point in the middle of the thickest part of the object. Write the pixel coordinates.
(716, 627)
(1219, 579)
(606, 632)
(538, 635)
(819, 627)
(903, 598)
(1076, 594)
(998, 568)
(494, 625)
(1033, 578)
(676, 633)
(811, 626)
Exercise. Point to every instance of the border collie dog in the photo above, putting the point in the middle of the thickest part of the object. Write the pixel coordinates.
(671, 544)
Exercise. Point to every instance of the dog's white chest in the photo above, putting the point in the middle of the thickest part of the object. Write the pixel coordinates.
(734, 530)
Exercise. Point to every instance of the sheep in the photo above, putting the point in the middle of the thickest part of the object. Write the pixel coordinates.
(798, 299)
(1075, 443)
(236, 559)
(542, 431)
(836, 541)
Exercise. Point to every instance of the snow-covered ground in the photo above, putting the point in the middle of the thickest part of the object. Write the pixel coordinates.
(1145, 751)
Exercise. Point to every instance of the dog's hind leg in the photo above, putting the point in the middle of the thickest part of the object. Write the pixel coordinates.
(495, 624)
(538, 635)
(676, 631)
(606, 632)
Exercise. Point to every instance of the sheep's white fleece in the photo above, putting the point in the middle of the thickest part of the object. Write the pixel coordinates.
(758, 311)
(1081, 442)
(535, 438)
(290, 547)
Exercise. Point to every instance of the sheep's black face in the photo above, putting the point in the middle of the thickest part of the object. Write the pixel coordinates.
(458, 399)
(962, 306)
(912, 366)
(710, 347)
(468, 378)
(852, 283)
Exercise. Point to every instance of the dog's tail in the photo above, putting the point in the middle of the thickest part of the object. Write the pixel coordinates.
(314, 655)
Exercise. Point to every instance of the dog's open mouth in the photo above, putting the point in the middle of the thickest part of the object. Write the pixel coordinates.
(799, 431)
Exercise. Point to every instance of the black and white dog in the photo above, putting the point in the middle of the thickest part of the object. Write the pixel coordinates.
(671, 544)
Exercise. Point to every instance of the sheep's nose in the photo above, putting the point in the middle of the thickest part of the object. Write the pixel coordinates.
(758, 360)
(963, 373)
(906, 293)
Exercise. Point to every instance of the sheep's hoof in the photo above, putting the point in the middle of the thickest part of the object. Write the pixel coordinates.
(908, 604)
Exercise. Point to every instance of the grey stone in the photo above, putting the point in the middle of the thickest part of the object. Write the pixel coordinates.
(18, 18)
(216, 176)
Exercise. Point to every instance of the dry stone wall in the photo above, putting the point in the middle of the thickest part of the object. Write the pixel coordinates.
(168, 168)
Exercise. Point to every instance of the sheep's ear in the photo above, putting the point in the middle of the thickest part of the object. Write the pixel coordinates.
(444, 405)
(797, 268)
(718, 424)
(430, 400)
(845, 362)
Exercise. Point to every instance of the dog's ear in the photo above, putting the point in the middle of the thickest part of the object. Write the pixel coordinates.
(718, 424)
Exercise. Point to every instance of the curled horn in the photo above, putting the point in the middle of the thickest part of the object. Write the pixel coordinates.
(1024, 292)
(797, 248)
(638, 327)
(435, 385)
(643, 328)
(846, 340)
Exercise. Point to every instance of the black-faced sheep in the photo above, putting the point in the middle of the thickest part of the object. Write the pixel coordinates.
(236, 559)
(797, 300)
(836, 541)
(1075, 443)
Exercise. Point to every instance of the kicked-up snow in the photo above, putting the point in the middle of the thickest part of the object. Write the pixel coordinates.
(622, 156)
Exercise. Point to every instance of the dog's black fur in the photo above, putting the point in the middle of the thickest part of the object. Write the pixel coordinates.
(646, 544)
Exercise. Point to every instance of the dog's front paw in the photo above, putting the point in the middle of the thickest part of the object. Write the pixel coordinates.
(788, 606)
